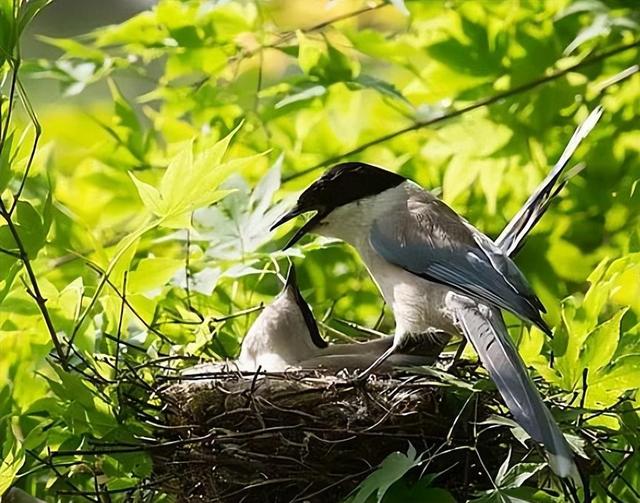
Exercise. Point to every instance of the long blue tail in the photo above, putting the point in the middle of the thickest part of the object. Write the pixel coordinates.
(485, 328)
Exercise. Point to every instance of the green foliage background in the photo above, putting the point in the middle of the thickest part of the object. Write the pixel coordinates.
(220, 112)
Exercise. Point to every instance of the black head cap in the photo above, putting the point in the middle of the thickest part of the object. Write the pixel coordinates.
(339, 185)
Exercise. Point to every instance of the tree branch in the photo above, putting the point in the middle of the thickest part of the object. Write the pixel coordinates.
(38, 132)
(289, 35)
(528, 86)
(36, 293)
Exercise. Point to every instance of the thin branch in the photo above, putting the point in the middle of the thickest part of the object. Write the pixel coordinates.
(187, 264)
(620, 476)
(119, 332)
(141, 349)
(583, 397)
(35, 288)
(288, 36)
(61, 476)
(10, 253)
(38, 132)
(129, 241)
(14, 64)
(528, 86)
(123, 298)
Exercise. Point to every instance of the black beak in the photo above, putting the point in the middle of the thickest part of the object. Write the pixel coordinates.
(292, 280)
(287, 216)
(310, 224)
(309, 320)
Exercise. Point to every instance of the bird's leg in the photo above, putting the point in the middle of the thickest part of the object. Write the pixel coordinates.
(459, 351)
(379, 361)
(457, 361)
(431, 342)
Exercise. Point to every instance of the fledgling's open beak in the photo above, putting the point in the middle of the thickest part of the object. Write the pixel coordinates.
(296, 211)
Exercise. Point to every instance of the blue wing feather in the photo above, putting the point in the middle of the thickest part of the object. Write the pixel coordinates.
(432, 241)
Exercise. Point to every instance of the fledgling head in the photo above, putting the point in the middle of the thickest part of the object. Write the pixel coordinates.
(283, 335)
(332, 195)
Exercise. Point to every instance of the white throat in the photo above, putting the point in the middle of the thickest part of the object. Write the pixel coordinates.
(418, 305)
(352, 222)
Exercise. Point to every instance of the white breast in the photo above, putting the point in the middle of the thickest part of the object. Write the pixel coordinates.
(278, 339)
(418, 304)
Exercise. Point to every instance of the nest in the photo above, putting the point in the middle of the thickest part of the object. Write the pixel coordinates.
(313, 437)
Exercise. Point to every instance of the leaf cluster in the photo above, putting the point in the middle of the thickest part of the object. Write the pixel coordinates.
(134, 231)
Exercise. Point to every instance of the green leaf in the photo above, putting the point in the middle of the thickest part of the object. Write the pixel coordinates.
(191, 182)
(381, 86)
(74, 49)
(8, 31)
(13, 460)
(599, 27)
(568, 261)
(420, 492)
(9, 267)
(518, 495)
(306, 94)
(6, 161)
(491, 178)
(176, 181)
(309, 52)
(601, 344)
(152, 273)
(519, 474)
(459, 177)
(31, 228)
(29, 10)
(337, 66)
(393, 468)
(241, 223)
(129, 130)
(623, 375)
(125, 114)
(595, 6)
(148, 194)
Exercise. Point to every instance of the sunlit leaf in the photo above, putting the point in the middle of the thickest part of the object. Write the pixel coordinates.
(148, 194)
(31, 228)
(14, 457)
(392, 469)
(601, 344)
(309, 52)
(152, 274)
(306, 94)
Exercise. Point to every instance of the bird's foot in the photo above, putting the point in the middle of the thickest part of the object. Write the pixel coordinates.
(361, 377)
(460, 366)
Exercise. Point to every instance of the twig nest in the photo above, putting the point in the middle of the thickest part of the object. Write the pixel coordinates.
(314, 437)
